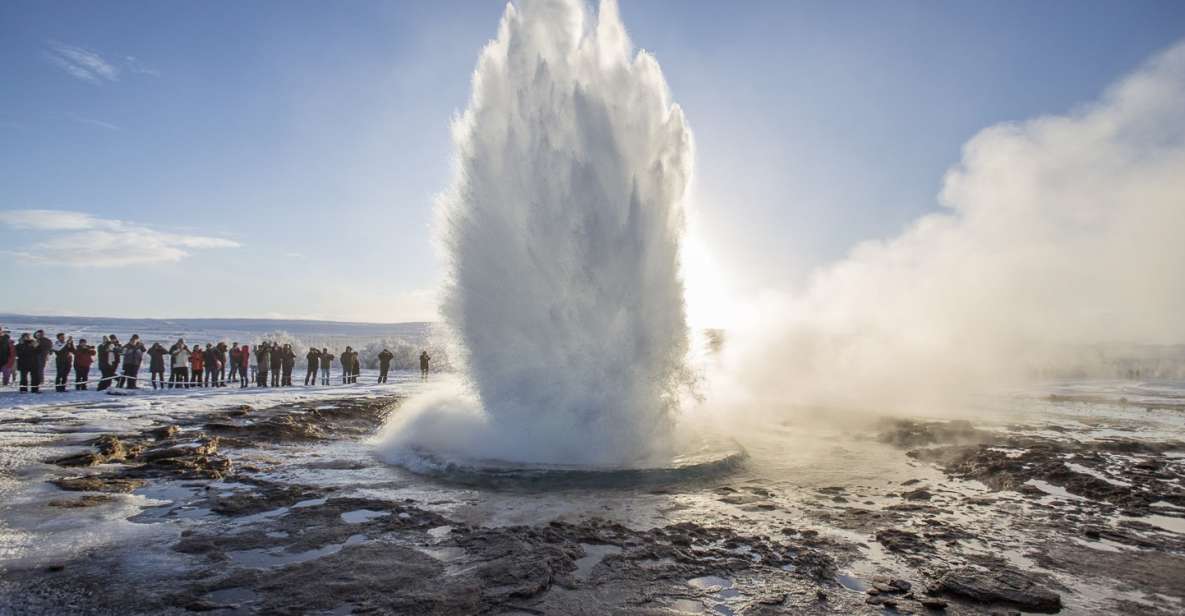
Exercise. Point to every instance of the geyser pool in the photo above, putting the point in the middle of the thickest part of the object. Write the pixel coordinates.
(562, 234)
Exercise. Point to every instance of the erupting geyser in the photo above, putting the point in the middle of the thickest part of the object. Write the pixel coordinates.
(562, 233)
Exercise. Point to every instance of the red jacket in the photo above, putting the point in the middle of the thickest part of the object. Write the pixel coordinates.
(196, 359)
(84, 357)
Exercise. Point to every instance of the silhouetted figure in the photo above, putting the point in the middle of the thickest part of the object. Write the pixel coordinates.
(221, 349)
(244, 360)
(44, 350)
(235, 356)
(424, 359)
(28, 353)
(63, 350)
(347, 362)
(156, 364)
(287, 363)
(7, 355)
(110, 352)
(385, 364)
(197, 365)
(84, 355)
(326, 364)
(313, 358)
(173, 366)
(263, 360)
(277, 357)
(210, 357)
(133, 355)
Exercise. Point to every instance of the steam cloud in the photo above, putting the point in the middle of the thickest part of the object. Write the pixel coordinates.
(1063, 232)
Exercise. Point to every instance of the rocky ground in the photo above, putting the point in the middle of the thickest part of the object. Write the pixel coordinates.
(976, 520)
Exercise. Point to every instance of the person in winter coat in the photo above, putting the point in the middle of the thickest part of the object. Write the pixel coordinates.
(177, 346)
(212, 368)
(234, 356)
(84, 354)
(110, 353)
(313, 357)
(7, 355)
(44, 350)
(244, 360)
(263, 361)
(180, 376)
(287, 363)
(424, 359)
(156, 364)
(197, 364)
(326, 364)
(133, 356)
(277, 357)
(347, 362)
(385, 364)
(63, 350)
(28, 353)
(222, 353)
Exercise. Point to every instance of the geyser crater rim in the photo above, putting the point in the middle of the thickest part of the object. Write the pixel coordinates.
(720, 458)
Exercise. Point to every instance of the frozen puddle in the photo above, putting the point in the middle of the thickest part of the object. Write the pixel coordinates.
(362, 515)
(266, 558)
(1078, 468)
(1163, 522)
(593, 554)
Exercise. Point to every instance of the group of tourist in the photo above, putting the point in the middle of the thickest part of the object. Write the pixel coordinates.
(213, 365)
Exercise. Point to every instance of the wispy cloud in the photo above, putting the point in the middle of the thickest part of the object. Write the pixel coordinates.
(82, 63)
(136, 66)
(92, 122)
(63, 237)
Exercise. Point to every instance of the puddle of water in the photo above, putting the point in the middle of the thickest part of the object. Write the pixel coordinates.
(1053, 490)
(265, 558)
(1078, 468)
(359, 516)
(690, 606)
(312, 502)
(593, 554)
(712, 583)
(1163, 522)
(851, 582)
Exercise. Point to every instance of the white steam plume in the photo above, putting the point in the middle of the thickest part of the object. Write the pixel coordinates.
(1063, 232)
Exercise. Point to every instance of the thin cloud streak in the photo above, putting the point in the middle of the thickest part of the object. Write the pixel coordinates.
(92, 122)
(83, 240)
(82, 63)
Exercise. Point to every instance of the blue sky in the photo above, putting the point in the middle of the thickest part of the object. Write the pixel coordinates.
(280, 158)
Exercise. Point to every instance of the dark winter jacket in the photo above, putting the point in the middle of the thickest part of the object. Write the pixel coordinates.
(326, 360)
(44, 348)
(385, 359)
(212, 358)
(5, 349)
(27, 355)
(277, 357)
(156, 358)
(133, 354)
(287, 358)
(65, 355)
(263, 357)
(106, 350)
(313, 356)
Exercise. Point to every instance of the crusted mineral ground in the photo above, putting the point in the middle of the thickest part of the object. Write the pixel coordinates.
(285, 510)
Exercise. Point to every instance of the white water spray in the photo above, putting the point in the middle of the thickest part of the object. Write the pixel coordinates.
(562, 233)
